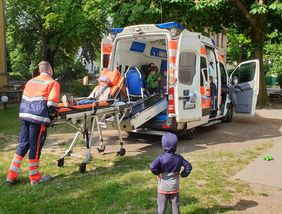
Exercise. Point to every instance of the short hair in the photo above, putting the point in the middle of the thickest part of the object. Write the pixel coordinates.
(211, 78)
(44, 66)
(154, 68)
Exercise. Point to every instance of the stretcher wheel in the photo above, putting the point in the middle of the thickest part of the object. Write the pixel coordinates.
(61, 162)
(121, 152)
(101, 148)
(82, 167)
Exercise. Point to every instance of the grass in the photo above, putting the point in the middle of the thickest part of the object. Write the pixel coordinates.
(10, 123)
(122, 185)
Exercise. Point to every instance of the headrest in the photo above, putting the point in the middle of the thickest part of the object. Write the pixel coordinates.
(113, 76)
(104, 79)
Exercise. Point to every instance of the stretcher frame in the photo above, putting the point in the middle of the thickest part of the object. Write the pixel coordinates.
(97, 117)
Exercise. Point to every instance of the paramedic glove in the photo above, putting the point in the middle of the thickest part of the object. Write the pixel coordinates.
(52, 112)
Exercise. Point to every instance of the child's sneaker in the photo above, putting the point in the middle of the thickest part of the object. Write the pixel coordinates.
(65, 100)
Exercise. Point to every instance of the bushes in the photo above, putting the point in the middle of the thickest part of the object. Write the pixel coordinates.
(77, 89)
(15, 76)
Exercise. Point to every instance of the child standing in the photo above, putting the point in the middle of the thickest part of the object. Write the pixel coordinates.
(167, 167)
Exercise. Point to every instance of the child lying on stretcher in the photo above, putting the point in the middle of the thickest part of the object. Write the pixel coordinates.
(100, 93)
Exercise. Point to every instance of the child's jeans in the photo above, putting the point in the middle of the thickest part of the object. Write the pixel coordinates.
(162, 202)
(85, 101)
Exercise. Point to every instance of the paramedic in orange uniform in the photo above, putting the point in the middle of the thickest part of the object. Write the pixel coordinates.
(37, 109)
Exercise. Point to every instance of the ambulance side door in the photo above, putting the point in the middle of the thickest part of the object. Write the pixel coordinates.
(244, 87)
(187, 94)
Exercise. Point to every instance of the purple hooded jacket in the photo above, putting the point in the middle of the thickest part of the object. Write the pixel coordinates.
(169, 165)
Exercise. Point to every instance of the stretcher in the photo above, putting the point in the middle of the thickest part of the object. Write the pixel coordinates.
(85, 119)
(108, 114)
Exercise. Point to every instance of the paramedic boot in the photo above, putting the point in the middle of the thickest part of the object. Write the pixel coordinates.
(35, 176)
(43, 179)
(14, 169)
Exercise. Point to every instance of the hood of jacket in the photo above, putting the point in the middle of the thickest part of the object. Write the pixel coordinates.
(169, 142)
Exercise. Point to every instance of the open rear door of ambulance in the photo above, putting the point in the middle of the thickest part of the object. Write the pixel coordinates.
(187, 85)
(106, 50)
(244, 87)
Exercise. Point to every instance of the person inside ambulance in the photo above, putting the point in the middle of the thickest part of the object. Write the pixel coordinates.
(163, 83)
(213, 94)
(153, 80)
(100, 93)
(37, 109)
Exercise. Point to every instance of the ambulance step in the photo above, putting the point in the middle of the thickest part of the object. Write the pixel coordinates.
(147, 110)
(212, 122)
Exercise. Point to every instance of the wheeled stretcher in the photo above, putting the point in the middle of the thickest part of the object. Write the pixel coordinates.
(108, 114)
(88, 117)
(85, 120)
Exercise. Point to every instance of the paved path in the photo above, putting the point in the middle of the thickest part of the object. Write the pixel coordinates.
(265, 172)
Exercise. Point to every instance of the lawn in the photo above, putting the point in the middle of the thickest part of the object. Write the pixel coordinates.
(120, 185)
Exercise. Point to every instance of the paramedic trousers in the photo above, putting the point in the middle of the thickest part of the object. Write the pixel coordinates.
(162, 203)
(32, 138)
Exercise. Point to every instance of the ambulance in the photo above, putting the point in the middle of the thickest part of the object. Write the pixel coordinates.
(188, 61)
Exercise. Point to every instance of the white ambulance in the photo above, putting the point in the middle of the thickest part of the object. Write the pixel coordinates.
(188, 61)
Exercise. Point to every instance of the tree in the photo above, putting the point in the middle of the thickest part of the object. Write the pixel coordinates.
(273, 53)
(53, 30)
(261, 18)
(252, 18)
(239, 47)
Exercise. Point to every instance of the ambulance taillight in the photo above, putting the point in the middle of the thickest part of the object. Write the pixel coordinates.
(171, 106)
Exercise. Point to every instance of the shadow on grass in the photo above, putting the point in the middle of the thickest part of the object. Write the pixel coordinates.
(240, 206)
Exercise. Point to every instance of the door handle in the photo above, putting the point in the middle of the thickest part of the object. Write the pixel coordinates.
(184, 98)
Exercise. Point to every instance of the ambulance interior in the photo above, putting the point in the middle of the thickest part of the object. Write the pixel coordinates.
(142, 53)
(138, 52)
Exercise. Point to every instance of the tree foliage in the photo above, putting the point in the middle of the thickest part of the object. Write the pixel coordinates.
(53, 30)
(273, 53)
(252, 19)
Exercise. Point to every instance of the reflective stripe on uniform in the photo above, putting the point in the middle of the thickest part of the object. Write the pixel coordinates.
(31, 99)
(17, 160)
(50, 103)
(14, 168)
(33, 172)
(43, 82)
(35, 117)
(33, 164)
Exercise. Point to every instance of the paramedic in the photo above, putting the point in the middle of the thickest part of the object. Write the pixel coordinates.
(153, 80)
(37, 109)
(213, 95)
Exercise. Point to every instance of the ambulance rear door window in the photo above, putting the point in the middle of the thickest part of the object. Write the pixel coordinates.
(187, 67)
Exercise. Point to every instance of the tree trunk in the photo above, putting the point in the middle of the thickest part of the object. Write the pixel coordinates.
(47, 54)
(258, 40)
(262, 97)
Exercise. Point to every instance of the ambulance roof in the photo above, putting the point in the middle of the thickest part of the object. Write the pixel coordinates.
(167, 25)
